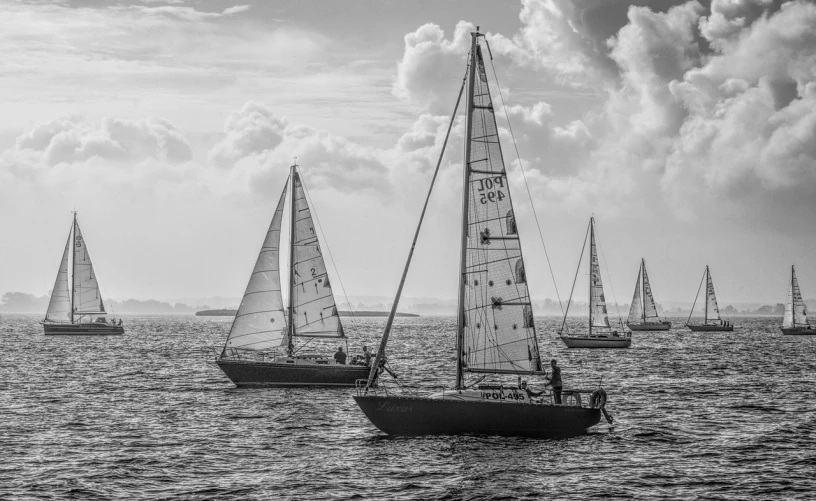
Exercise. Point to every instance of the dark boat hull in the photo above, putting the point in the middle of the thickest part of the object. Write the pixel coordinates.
(87, 329)
(425, 416)
(663, 326)
(799, 331)
(597, 342)
(711, 328)
(254, 374)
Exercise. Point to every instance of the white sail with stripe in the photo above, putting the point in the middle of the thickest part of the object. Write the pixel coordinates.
(636, 310)
(260, 323)
(795, 309)
(712, 310)
(59, 306)
(597, 300)
(315, 312)
(649, 307)
(498, 329)
(87, 300)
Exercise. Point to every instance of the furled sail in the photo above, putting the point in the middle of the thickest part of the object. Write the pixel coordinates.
(712, 310)
(260, 322)
(649, 307)
(87, 298)
(636, 311)
(315, 313)
(498, 332)
(59, 307)
(795, 309)
(597, 301)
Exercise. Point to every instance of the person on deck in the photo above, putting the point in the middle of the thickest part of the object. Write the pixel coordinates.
(555, 381)
(120, 321)
(367, 356)
(340, 357)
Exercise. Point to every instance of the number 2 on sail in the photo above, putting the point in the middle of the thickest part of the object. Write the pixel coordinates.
(486, 186)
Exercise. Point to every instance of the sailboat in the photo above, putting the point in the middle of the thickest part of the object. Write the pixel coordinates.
(712, 321)
(600, 333)
(643, 313)
(495, 332)
(260, 350)
(795, 321)
(76, 298)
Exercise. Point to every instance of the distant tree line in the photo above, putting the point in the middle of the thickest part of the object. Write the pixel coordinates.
(20, 302)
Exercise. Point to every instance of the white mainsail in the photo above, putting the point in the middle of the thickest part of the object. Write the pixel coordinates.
(636, 311)
(795, 309)
(59, 307)
(315, 313)
(712, 310)
(597, 301)
(87, 299)
(498, 329)
(649, 307)
(260, 322)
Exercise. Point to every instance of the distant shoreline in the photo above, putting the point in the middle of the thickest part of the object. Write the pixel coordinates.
(231, 313)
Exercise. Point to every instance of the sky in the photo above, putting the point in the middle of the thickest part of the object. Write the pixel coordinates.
(687, 128)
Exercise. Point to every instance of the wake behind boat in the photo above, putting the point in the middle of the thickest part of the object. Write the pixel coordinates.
(260, 349)
(643, 312)
(496, 333)
(76, 298)
(795, 321)
(712, 320)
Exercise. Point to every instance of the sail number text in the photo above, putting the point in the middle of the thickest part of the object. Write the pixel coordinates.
(489, 189)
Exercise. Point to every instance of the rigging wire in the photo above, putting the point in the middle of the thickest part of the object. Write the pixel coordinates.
(575, 280)
(603, 256)
(524, 176)
(695, 300)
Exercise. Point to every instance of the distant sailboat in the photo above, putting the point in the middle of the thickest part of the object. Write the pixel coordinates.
(250, 357)
(643, 313)
(712, 321)
(496, 333)
(795, 321)
(76, 298)
(600, 333)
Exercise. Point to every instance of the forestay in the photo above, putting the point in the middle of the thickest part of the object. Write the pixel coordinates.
(795, 309)
(712, 310)
(87, 299)
(260, 322)
(315, 312)
(59, 307)
(597, 301)
(636, 311)
(649, 307)
(498, 331)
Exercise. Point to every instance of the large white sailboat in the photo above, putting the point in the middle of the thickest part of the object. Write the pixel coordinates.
(600, 333)
(712, 321)
(795, 320)
(496, 335)
(260, 350)
(76, 306)
(643, 312)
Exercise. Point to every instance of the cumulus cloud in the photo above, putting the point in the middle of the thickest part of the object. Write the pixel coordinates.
(251, 130)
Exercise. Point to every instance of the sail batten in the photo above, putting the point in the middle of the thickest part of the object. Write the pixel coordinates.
(498, 331)
(260, 322)
(59, 306)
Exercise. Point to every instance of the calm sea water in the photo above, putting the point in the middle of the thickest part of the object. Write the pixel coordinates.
(147, 415)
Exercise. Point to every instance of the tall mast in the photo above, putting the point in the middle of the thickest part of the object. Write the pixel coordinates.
(708, 281)
(73, 266)
(643, 288)
(793, 301)
(591, 261)
(290, 348)
(460, 330)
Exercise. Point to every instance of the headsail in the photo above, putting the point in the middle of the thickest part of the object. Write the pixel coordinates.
(636, 311)
(59, 307)
(712, 310)
(649, 307)
(260, 322)
(315, 313)
(87, 299)
(597, 301)
(795, 309)
(498, 332)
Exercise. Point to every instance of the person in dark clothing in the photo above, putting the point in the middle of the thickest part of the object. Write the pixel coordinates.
(367, 356)
(555, 381)
(340, 357)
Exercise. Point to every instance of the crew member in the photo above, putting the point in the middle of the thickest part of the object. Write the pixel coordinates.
(367, 356)
(340, 357)
(555, 381)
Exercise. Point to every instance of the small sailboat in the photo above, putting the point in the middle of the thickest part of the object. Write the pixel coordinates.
(795, 321)
(495, 333)
(712, 321)
(76, 298)
(600, 333)
(260, 349)
(643, 312)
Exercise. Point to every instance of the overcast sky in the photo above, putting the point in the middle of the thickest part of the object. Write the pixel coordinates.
(687, 128)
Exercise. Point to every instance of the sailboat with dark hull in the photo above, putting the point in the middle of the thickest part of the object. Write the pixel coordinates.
(76, 299)
(795, 320)
(600, 333)
(712, 322)
(260, 350)
(643, 312)
(496, 335)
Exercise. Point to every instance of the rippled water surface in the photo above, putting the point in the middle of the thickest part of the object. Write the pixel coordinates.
(147, 415)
